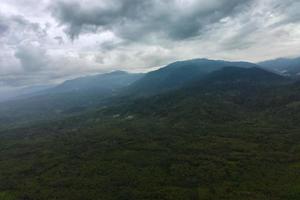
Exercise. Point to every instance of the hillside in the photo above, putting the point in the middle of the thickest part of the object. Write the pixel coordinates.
(84, 93)
(199, 142)
(176, 75)
(69, 98)
(103, 83)
(286, 66)
(238, 88)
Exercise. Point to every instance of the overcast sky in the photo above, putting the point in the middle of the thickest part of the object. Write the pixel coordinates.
(45, 41)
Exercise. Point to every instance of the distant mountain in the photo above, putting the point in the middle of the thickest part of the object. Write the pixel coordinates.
(286, 66)
(251, 87)
(232, 134)
(94, 92)
(105, 83)
(238, 75)
(233, 80)
(177, 74)
(229, 138)
(234, 89)
(68, 98)
(24, 92)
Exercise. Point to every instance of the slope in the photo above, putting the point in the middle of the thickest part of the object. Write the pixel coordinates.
(286, 66)
(187, 144)
(177, 74)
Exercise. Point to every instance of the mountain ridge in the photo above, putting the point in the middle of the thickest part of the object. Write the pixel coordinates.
(177, 74)
(285, 66)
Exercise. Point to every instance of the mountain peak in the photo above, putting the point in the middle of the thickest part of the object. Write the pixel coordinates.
(178, 74)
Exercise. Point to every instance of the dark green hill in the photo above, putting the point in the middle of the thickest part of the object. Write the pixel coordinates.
(71, 97)
(233, 88)
(237, 77)
(233, 134)
(238, 74)
(178, 74)
(103, 83)
(285, 66)
(226, 142)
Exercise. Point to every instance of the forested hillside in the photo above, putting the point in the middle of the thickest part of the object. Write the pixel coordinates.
(232, 134)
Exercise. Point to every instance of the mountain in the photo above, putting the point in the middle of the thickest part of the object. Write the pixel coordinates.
(71, 97)
(238, 75)
(85, 93)
(233, 134)
(177, 74)
(247, 87)
(286, 66)
(17, 93)
(251, 87)
(105, 83)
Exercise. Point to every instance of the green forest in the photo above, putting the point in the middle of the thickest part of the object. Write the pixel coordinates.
(232, 135)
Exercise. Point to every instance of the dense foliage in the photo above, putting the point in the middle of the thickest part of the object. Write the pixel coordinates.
(222, 138)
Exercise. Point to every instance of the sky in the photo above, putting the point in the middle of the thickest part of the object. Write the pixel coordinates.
(47, 41)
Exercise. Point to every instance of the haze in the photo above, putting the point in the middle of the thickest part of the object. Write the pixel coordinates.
(44, 42)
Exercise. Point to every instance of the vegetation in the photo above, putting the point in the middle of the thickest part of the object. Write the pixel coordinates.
(221, 138)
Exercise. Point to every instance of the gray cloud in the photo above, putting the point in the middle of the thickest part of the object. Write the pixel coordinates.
(16, 28)
(135, 19)
(32, 58)
(59, 39)
(3, 28)
(290, 10)
(137, 35)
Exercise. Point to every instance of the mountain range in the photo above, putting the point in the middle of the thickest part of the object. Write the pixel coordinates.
(84, 93)
(196, 129)
(178, 74)
(285, 66)
(170, 77)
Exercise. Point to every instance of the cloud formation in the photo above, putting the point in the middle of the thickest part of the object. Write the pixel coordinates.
(135, 19)
(49, 41)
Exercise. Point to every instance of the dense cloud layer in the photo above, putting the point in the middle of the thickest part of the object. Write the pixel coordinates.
(135, 19)
(46, 41)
